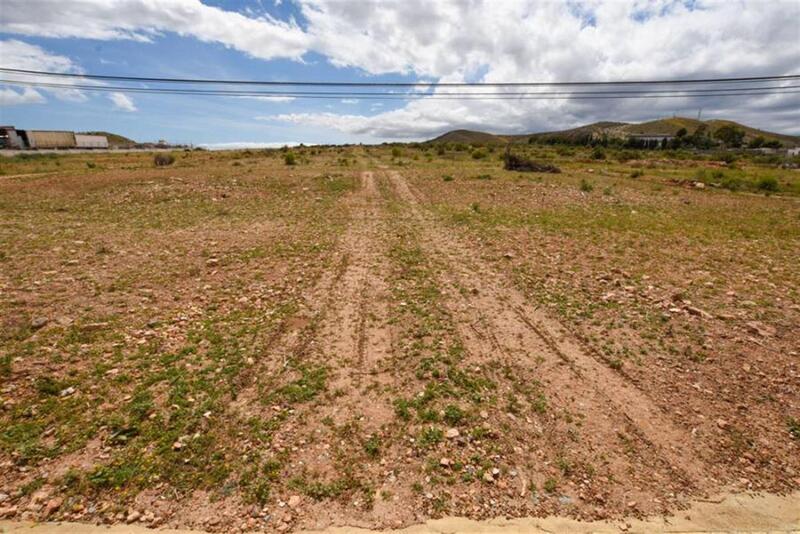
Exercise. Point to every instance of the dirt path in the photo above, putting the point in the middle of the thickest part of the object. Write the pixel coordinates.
(734, 513)
(498, 324)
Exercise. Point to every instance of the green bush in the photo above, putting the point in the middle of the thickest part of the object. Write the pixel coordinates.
(598, 153)
(586, 187)
(768, 184)
(478, 154)
(289, 158)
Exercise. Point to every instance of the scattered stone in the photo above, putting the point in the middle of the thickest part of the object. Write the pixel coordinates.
(294, 500)
(697, 312)
(452, 433)
(487, 477)
(212, 262)
(760, 329)
(133, 516)
(39, 322)
(53, 505)
(444, 462)
(67, 392)
(722, 423)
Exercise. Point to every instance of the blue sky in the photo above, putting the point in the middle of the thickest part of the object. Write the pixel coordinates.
(411, 40)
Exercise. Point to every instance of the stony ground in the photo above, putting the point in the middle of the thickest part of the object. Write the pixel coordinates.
(379, 336)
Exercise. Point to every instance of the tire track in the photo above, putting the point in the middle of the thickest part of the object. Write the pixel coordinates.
(514, 331)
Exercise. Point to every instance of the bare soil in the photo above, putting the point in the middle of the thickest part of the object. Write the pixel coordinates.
(236, 344)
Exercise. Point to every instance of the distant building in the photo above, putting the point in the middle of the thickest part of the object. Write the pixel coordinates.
(649, 140)
(91, 141)
(9, 138)
(12, 138)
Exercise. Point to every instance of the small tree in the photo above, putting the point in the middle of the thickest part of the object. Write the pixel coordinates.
(289, 158)
(730, 135)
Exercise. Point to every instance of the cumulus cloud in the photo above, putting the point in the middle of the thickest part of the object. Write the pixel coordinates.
(521, 40)
(143, 20)
(17, 54)
(122, 101)
(11, 97)
(480, 40)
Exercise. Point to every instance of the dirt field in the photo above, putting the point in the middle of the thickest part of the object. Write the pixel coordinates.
(379, 336)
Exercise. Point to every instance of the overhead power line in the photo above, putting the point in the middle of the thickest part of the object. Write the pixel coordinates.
(336, 95)
(355, 94)
(296, 83)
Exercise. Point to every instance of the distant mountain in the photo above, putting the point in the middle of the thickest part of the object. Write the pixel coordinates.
(471, 137)
(667, 126)
(115, 140)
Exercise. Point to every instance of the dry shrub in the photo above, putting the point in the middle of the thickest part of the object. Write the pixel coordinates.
(520, 164)
(163, 160)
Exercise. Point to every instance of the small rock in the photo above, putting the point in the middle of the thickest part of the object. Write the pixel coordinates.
(178, 445)
(722, 423)
(67, 392)
(53, 505)
(133, 516)
(759, 329)
(452, 433)
(3, 497)
(39, 322)
(697, 312)
(487, 477)
(444, 462)
(508, 255)
(212, 262)
(294, 500)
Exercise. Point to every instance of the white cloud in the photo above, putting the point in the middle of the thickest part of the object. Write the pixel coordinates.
(142, 20)
(249, 144)
(522, 40)
(349, 101)
(270, 98)
(11, 97)
(122, 101)
(457, 40)
(20, 55)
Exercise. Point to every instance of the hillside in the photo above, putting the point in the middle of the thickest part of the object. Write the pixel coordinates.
(115, 140)
(666, 126)
(470, 137)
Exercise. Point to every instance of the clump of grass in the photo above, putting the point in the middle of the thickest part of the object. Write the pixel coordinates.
(430, 437)
(768, 184)
(290, 158)
(586, 186)
(794, 427)
(637, 173)
(373, 446)
(475, 207)
(598, 154)
(550, 485)
(305, 388)
(479, 154)
(447, 178)
(453, 415)
(402, 409)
